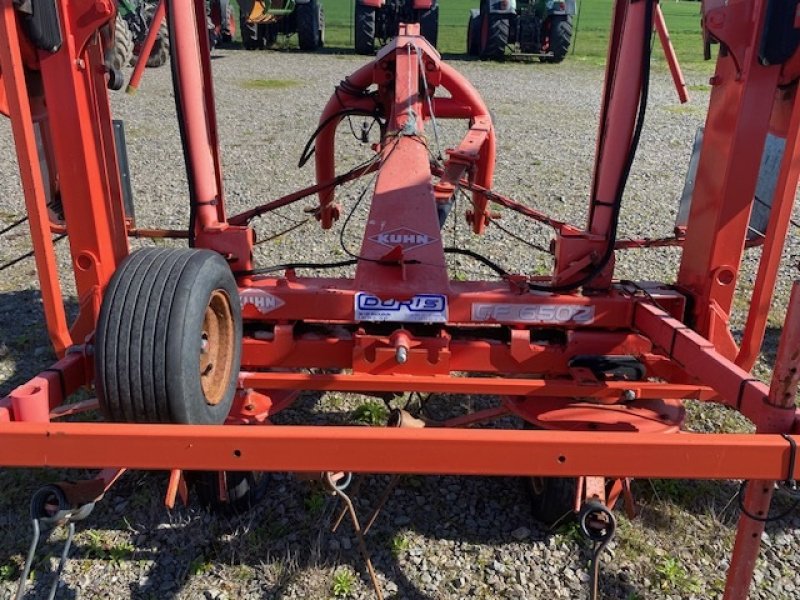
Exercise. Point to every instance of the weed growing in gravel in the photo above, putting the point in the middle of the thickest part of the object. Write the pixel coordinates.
(371, 413)
(343, 582)
(8, 572)
(200, 566)
(315, 502)
(100, 549)
(673, 577)
(400, 545)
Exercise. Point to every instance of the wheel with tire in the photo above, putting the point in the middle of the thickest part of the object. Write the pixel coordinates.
(559, 36)
(364, 29)
(429, 25)
(244, 489)
(552, 498)
(495, 30)
(308, 25)
(474, 33)
(159, 55)
(120, 55)
(168, 339)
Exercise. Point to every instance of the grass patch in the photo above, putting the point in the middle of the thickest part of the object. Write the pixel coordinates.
(269, 84)
(700, 87)
(400, 545)
(673, 577)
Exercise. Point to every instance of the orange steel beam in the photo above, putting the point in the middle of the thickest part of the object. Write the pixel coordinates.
(396, 450)
(13, 79)
(470, 385)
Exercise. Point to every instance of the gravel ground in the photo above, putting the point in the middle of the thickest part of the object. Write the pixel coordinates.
(438, 537)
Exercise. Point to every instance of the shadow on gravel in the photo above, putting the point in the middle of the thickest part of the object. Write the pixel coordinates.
(25, 348)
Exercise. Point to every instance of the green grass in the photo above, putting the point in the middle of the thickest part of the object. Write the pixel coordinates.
(269, 84)
(591, 41)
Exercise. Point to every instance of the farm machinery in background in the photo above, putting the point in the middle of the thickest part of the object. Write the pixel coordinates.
(189, 352)
(530, 27)
(375, 22)
(131, 26)
(261, 21)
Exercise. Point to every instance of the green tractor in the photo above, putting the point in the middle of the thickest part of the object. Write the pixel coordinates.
(540, 28)
(133, 21)
(262, 20)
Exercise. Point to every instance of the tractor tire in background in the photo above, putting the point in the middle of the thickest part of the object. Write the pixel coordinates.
(160, 53)
(474, 33)
(169, 339)
(310, 24)
(559, 38)
(497, 29)
(429, 25)
(364, 29)
(121, 54)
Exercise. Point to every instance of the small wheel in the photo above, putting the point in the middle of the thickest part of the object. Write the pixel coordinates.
(169, 337)
(364, 29)
(245, 489)
(552, 498)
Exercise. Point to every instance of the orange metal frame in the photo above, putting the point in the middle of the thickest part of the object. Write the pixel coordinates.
(523, 335)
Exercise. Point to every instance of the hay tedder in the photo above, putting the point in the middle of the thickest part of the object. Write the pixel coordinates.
(189, 352)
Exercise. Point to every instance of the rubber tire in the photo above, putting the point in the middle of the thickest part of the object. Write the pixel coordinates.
(555, 503)
(245, 490)
(308, 25)
(159, 55)
(560, 36)
(148, 337)
(121, 54)
(429, 25)
(364, 29)
(474, 33)
(497, 40)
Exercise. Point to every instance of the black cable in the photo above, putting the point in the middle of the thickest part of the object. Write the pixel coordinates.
(297, 265)
(609, 252)
(15, 224)
(767, 518)
(480, 258)
(308, 150)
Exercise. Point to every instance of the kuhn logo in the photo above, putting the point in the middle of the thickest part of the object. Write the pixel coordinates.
(404, 237)
(263, 301)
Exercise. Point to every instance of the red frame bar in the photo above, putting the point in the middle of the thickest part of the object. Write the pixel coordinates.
(398, 450)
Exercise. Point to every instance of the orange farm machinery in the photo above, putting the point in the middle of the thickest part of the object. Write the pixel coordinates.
(190, 352)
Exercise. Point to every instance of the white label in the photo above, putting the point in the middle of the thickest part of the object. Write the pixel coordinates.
(533, 313)
(422, 308)
(263, 301)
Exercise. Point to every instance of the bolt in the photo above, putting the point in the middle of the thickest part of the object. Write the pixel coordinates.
(628, 396)
(401, 355)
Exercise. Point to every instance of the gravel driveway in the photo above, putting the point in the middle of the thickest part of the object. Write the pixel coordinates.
(438, 537)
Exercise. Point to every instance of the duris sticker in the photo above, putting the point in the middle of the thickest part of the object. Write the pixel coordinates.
(422, 308)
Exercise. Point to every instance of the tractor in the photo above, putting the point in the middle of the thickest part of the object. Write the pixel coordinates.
(133, 21)
(262, 20)
(380, 19)
(540, 28)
